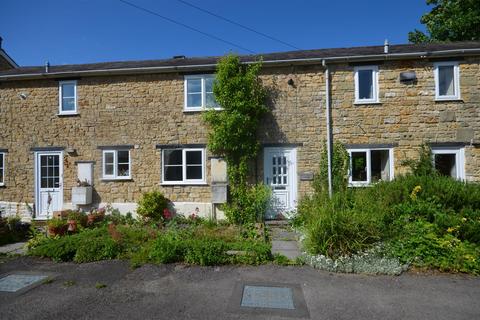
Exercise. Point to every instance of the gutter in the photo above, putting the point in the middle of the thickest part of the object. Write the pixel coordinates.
(328, 117)
(211, 66)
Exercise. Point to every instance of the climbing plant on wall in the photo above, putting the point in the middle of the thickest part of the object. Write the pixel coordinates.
(233, 130)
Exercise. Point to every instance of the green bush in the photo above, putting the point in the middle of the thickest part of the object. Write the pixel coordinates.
(167, 248)
(151, 206)
(96, 249)
(248, 204)
(57, 249)
(205, 252)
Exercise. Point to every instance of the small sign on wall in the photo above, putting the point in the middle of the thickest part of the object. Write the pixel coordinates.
(306, 176)
(219, 193)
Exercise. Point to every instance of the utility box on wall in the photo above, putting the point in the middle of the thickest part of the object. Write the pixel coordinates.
(219, 180)
(81, 195)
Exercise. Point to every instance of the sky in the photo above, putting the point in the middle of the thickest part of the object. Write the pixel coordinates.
(87, 31)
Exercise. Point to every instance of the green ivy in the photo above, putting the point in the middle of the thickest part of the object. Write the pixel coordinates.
(233, 129)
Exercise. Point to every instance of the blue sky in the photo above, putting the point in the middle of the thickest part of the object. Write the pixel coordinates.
(83, 31)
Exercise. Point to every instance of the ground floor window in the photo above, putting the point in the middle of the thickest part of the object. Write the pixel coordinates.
(116, 164)
(449, 161)
(370, 166)
(183, 166)
(2, 168)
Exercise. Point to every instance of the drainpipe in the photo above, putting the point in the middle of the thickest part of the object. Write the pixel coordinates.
(328, 116)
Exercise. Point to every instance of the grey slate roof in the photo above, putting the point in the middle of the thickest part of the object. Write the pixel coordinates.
(279, 56)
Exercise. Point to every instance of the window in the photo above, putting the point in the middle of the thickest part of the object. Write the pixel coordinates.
(366, 84)
(199, 92)
(370, 166)
(447, 81)
(116, 164)
(183, 166)
(449, 162)
(2, 169)
(68, 97)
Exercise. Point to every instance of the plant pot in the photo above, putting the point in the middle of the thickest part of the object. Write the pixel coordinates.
(72, 225)
(90, 219)
(57, 231)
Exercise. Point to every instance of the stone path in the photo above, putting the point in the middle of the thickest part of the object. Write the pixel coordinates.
(14, 248)
(284, 240)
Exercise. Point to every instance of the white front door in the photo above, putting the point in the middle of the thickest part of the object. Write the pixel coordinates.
(280, 173)
(48, 183)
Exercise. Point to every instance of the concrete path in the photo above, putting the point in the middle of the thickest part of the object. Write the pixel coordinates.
(284, 241)
(14, 248)
(181, 292)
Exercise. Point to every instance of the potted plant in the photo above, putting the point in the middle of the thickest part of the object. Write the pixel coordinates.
(82, 193)
(57, 227)
(95, 215)
(76, 218)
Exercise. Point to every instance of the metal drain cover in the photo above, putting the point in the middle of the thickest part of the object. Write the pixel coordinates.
(15, 282)
(267, 297)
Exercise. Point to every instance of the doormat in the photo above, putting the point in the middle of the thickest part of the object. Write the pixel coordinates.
(15, 282)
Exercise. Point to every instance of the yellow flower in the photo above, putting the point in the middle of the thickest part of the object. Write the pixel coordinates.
(464, 219)
(415, 190)
(450, 229)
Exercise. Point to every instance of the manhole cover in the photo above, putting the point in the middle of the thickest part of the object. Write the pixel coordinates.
(267, 297)
(15, 282)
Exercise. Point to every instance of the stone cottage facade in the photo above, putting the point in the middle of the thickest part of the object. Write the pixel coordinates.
(131, 127)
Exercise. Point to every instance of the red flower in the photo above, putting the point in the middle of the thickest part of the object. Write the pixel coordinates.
(167, 215)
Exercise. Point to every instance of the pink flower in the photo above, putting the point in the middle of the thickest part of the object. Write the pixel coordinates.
(167, 215)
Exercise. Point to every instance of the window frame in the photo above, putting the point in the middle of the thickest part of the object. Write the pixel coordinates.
(184, 181)
(375, 89)
(203, 92)
(456, 81)
(60, 97)
(2, 182)
(368, 151)
(115, 175)
(459, 153)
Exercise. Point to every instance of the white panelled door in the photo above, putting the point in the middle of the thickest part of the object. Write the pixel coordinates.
(280, 173)
(48, 183)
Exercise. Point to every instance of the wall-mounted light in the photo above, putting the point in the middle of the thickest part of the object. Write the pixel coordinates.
(71, 150)
(23, 96)
(290, 82)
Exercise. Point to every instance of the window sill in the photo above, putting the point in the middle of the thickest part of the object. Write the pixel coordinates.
(195, 110)
(115, 179)
(448, 99)
(359, 103)
(2, 185)
(68, 114)
(172, 184)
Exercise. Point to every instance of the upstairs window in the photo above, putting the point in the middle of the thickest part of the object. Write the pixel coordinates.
(366, 84)
(68, 97)
(199, 92)
(2, 169)
(370, 165)
(183, 166)
(116, 164)
(449, 162)
(447, 81)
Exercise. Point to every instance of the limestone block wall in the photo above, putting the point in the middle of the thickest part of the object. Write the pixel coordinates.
(146, 110)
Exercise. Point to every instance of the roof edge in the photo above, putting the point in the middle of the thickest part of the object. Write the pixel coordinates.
(10, 61)
(266, 63)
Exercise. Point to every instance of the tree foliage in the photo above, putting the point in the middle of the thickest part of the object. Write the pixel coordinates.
(233, 130)
(449, 20)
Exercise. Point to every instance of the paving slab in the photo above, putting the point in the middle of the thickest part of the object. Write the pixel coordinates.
(14, 248)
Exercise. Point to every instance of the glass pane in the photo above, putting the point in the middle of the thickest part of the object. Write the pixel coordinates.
(1, 175)
(194, 172)
(1, 161)
(44, 183)
(109, 158)
(173, 173)
(109, 169)
(284, 179)
(171, 157)
(365, 84)
(445, 75)
(210, 100)
(68, 90)
(273, 160)
(56, 182)
(68, 104)
(359, 166)
(43, 160)
(446, 164)
(194, 157)
(50, 161)
(194, 85)
(123, 170)
(380, 165)
(50, 171)
(209, 84)
(194, 100)
(123, 157)
(44, 171)
(274, 170)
